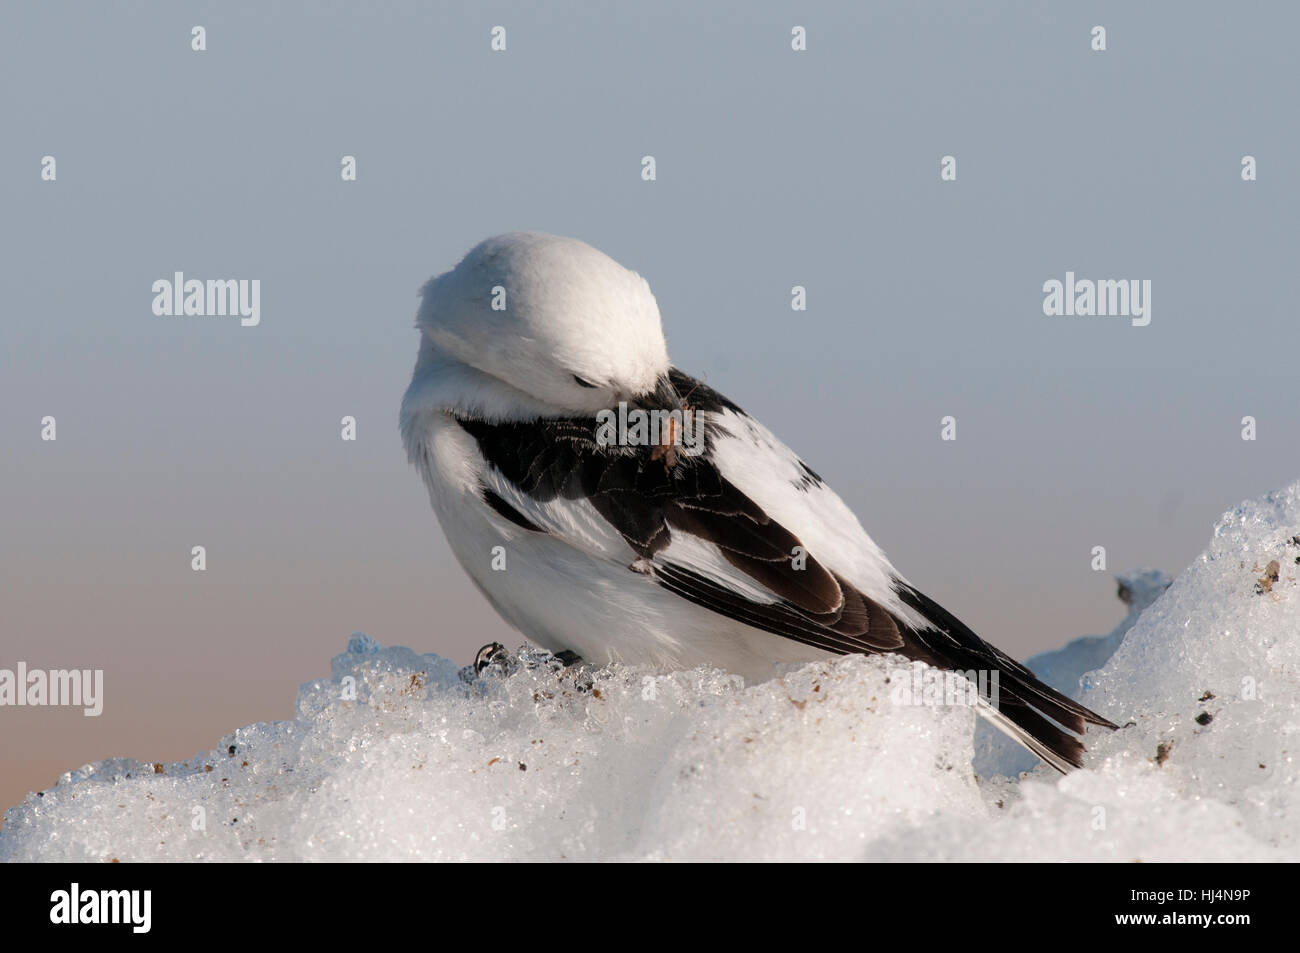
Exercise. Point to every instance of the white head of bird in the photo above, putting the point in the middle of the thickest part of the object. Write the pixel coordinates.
(552, 325)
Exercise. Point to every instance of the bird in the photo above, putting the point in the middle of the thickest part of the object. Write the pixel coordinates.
(703, 542)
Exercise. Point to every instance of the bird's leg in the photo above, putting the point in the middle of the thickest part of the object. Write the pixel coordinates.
(492, 654)
(582, 682)
(494, 659)
(496, 654)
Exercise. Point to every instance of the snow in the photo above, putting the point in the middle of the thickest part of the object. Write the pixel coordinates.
(1064, 669)
(416, 760)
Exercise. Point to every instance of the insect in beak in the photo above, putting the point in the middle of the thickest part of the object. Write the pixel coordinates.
(665, 398)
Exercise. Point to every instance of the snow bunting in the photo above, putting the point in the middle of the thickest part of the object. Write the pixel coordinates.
(611, 507)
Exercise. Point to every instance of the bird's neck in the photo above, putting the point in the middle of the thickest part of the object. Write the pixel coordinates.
(442, 383)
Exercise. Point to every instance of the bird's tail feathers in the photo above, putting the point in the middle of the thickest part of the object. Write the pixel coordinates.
(1024, 703)
(1063, 753)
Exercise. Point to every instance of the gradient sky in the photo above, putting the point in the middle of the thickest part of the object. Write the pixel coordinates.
(774, 168)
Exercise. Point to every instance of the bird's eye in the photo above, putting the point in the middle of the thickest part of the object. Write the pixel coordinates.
(582, 382)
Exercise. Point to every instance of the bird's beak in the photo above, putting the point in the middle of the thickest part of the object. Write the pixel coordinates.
(663, 397)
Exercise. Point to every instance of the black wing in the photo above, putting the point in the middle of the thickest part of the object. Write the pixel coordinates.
(648, 499)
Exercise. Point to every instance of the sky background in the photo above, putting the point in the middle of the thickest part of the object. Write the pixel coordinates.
(774, 168)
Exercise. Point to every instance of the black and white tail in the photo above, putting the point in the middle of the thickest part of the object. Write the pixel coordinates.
(1024, 704)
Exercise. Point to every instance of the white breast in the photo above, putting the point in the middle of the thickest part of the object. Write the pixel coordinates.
(580, 597)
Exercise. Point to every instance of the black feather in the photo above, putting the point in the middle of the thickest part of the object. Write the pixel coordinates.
(508, 511)
(647, 497)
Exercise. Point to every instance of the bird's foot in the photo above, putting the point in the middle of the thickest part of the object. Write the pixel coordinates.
(494, 659)
(575, 670)
(491, 659)
(566, 665)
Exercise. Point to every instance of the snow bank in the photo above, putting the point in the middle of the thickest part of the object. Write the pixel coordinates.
(1064, 669)
(400, 756)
